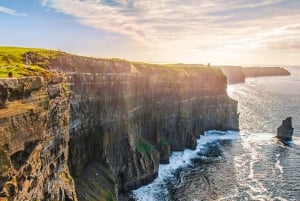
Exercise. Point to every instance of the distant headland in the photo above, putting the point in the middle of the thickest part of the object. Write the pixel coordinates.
(237, 74)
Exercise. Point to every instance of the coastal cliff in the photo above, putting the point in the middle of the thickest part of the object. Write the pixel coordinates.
(238, 74)
(107, 124)
(265, 71)
(34, 136)
(234, 74)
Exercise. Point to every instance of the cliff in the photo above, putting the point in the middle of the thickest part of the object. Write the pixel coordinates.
(34, 141)
(265, 71)
(237, 74)
(234, 74)
(110, 122)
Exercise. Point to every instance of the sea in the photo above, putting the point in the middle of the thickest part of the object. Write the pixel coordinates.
(251, 164)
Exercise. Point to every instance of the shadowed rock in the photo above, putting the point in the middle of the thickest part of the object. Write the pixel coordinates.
(111, 122)
(3, 95)
(285, 131)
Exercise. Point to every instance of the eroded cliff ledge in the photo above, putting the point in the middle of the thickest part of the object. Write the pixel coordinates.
(124, 119)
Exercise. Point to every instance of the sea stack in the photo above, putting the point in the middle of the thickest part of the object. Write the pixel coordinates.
(285, 131)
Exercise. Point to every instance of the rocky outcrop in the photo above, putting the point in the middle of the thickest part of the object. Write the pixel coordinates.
(285, 131)
(120, 121)
(238, 74)
(34, 141)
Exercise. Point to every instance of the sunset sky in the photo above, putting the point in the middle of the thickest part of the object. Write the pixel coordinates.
(232, 32)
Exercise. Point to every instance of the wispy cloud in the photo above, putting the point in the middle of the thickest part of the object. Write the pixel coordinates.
(11, 11)
(106, 16)
(191, 23)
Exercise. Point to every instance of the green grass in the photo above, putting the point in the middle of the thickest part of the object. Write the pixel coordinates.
(163, 142)
(13, 59)
(23, 61)
(110, 197)
(12, 56)
(144, 147)
(218, 71)
(21, 71)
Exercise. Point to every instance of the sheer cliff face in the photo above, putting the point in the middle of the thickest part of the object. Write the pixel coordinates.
(121, 105)
(125, 118)
(34, 141)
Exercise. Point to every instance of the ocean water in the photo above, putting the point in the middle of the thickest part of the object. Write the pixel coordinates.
(248, 165)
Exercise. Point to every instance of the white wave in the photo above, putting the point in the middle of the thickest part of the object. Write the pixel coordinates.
(178, 160)
(278, 165)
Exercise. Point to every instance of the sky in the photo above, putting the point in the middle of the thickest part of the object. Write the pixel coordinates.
(229, 32)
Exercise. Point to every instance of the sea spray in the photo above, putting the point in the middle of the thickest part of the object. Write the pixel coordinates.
(157, 190)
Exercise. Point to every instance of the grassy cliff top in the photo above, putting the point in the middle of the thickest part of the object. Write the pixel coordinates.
(35, 61)
(17, 55)
(24, 61)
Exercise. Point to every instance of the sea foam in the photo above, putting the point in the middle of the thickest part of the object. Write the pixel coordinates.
(157, 189)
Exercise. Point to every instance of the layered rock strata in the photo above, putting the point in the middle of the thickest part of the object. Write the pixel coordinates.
(34, 135)
(116, 106)
(125, 118)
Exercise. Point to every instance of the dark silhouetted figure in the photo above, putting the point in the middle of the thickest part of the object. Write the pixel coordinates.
(10, 74)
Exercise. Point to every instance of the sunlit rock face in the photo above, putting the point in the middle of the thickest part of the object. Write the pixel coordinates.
(117, 105)
(125, 118)
(34, 137)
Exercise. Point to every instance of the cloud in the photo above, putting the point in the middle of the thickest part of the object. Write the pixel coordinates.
(285, 37)
(190, 23)
(11, 11)
(293, 44)
(106, 16)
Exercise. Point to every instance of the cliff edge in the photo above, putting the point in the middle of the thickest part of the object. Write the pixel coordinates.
(102, 126)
